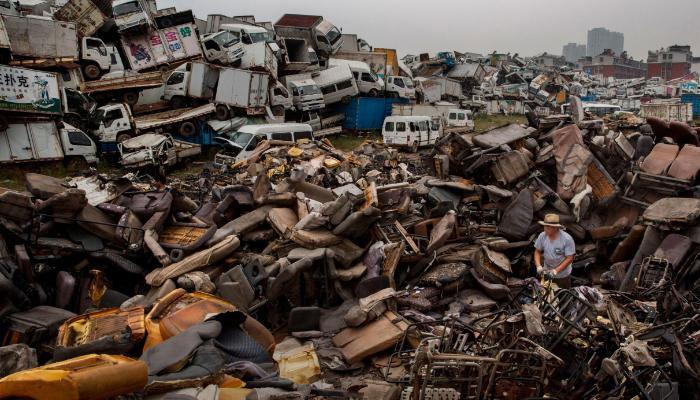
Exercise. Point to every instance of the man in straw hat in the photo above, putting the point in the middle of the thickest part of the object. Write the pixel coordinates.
(558, 249)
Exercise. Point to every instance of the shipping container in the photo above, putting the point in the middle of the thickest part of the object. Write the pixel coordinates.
(41, 37)
(694, 100)
(162, 47)
(368, 113)
(88, 18)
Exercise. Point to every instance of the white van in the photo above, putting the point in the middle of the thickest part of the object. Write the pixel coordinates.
(459, 118)
(400, 86)
(367, 81)
(337, 84)
(241, 144)
(410, 131)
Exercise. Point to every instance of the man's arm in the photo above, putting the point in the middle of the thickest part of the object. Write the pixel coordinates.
(538, 258)
(564, 264)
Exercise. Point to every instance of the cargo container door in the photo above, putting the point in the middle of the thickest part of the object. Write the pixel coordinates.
(19, 142)
(45, 141)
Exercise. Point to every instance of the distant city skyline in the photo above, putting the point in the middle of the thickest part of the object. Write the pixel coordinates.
(526, 27)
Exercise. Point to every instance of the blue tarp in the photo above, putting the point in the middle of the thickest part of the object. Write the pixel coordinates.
(694, 99)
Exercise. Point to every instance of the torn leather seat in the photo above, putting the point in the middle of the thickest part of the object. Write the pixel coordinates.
(111, 331)
(90, 377)
(687, 164)
(660, 159)
(178, 310)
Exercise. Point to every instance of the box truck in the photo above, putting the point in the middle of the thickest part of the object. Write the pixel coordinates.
(320, 34)
(160, 48)
(88, 18)
(46, 140)
(228, 88)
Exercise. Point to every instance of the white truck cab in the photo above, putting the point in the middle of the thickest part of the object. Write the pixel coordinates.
(223, 47)
(242, 143)
(129, 14)
(115, 123)
(306, 94)
(400, 86)
(249, 34)
(367, 81)
(410, 131)
(280, 99)
(95, 58)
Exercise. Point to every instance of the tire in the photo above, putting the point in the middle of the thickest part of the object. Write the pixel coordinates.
(91, 72)
(76, 164)
(187, 129)
(166, 22)
(122, 137)
(130, 98)
(373, 93)
(163, 68)
(278, 110)
(222, 112)
(178, 102)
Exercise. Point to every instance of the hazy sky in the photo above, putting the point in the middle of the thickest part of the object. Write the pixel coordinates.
(525, 26)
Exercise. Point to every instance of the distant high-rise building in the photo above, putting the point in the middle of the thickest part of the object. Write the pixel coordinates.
(601, 39)
(572, 52)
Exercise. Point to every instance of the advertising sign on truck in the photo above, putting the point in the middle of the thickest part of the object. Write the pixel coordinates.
(161, 47)
(28, 90)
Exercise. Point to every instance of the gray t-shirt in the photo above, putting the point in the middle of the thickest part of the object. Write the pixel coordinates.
(555, 251)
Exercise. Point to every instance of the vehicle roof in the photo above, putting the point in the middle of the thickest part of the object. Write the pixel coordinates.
(248, 27)
(407, 118)
(299, 20)
(333, 74)
(270, 128)
(145, 140)
(599, 105)
(351, 63)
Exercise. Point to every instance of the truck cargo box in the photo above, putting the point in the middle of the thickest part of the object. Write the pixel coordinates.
(40, 37)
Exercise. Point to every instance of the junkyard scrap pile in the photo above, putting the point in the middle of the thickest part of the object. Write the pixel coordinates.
(291, 269)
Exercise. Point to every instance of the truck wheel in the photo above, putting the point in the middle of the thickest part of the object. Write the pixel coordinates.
(166, 22)
(373, 93)
(130, 98)
(91, 71)
(122, 137)
(178, 102)
(76, 164)
(187, 129)
(222, 112)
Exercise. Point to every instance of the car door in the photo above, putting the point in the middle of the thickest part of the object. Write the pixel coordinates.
(175, 86)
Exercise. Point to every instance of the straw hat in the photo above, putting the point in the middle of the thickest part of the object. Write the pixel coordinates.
(551, 220)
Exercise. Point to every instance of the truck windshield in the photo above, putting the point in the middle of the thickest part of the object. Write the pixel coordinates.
(309, 89)
(226, 39)
(333, 35)
(126, 8)
(259, 37)
(241, 138)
